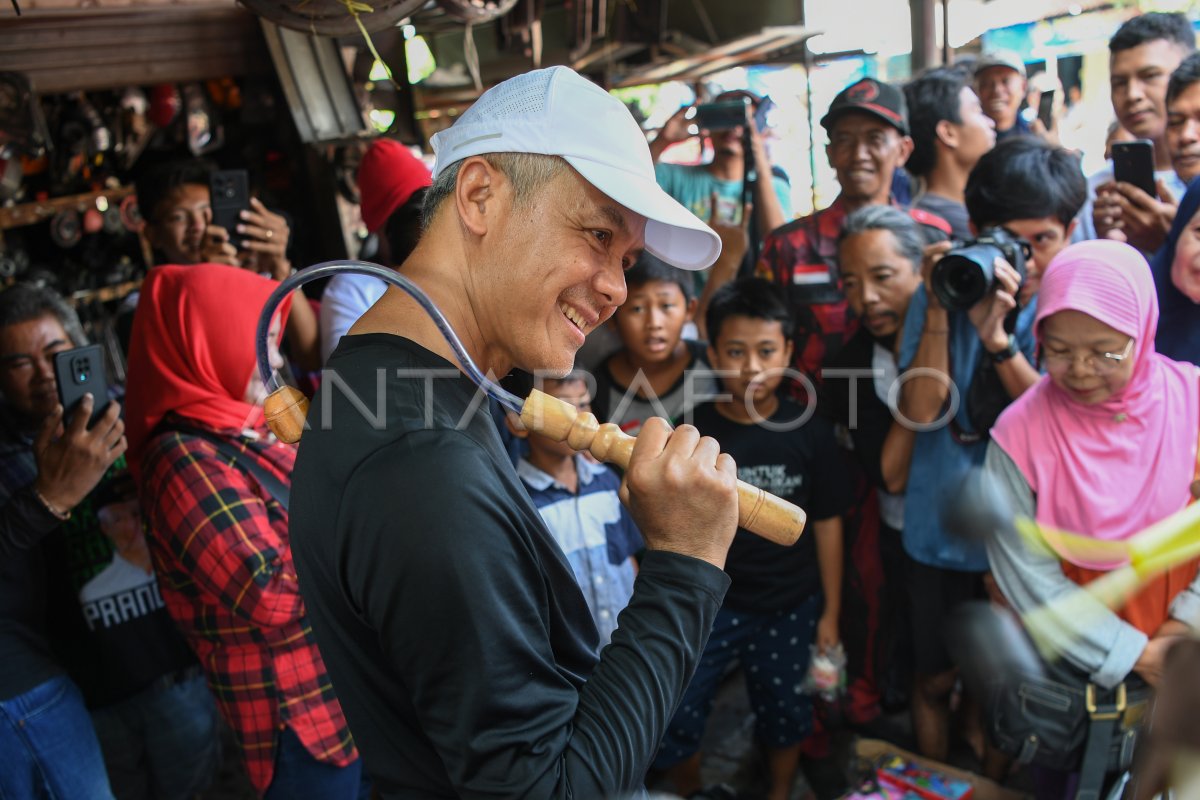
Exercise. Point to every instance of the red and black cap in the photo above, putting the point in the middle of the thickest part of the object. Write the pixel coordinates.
(869, 96)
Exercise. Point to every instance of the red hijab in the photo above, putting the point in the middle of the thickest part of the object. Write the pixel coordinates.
(192, 349)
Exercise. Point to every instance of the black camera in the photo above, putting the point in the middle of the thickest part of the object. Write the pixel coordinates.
(966, 274)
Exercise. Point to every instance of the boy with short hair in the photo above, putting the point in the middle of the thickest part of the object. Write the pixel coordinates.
(656, 373)
(782, 599)
(578, 500)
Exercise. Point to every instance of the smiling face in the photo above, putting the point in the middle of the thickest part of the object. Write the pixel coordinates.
(1138, 80)
(27, 365)
(1183, 133)
(757, 352)
(865, 152)
(651, 321)
(878, 279)
(552, 270)
(1074, 348)
(1001, 90)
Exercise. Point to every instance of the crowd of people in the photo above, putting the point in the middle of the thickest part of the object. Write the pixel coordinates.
(478, 609)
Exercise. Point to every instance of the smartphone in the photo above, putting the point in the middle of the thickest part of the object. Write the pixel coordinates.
(1133, 162)
(78, 372)
(229, 191)
(1046, 109)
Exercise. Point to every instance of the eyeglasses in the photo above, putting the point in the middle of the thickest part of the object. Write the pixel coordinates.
(1098, 363)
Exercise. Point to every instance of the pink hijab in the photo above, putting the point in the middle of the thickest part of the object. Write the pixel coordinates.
(1109, 470)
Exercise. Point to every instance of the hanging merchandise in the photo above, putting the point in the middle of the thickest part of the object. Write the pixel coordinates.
(136, 127)
(22, 128)
(165, 104)
(10, 178)
(204, 132)
(113, 223)
(93, 221)
(66, 228)
(131, 215)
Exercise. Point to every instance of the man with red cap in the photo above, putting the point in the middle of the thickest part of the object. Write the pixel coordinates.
(391, 184)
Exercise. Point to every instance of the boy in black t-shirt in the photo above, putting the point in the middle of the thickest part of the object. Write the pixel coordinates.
(782, 599)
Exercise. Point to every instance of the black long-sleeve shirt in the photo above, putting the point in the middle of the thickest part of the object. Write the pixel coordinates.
(458, 641)
(24, 523)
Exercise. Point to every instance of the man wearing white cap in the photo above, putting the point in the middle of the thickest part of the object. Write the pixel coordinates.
(459, 643)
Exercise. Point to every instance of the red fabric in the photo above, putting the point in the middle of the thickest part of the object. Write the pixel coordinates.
(224, 562)
(192, 349)
(387, 177)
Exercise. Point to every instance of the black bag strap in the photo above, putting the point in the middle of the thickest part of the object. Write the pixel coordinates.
(278, 490)
(1103, 719)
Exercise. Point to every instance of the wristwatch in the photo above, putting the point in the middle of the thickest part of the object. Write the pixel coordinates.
(1007, 353)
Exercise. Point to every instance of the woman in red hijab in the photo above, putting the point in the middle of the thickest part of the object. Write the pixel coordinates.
(214, 485)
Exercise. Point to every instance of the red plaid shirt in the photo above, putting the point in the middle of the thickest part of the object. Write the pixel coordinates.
(801, 258)
(220, 545)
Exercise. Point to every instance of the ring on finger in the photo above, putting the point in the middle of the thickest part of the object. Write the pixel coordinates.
(270, 233)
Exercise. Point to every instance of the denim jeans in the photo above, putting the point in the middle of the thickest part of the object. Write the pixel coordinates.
(49, 747)
(163, 743)
(299, 774)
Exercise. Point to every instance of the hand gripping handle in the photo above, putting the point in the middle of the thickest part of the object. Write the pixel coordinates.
(758, 512)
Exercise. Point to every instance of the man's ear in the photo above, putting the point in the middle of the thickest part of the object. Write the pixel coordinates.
(476, 195)
(946, 132)
(906, 148)
(788, 347)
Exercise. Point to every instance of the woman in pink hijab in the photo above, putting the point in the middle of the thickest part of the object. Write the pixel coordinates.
(1104, 445)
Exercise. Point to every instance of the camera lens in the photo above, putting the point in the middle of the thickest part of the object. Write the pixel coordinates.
(963, 277)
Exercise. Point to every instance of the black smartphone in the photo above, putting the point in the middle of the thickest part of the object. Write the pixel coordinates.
(229, 191)
(78, 372)
(1046, 109)
(1133, 162)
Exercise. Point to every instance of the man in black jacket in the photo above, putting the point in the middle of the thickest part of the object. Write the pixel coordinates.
(459, 644)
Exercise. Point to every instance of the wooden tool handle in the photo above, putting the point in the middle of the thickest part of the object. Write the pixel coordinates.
(758, 512)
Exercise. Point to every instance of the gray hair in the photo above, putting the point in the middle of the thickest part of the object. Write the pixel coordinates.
(23, 302)
(909, 241)
(526, 171)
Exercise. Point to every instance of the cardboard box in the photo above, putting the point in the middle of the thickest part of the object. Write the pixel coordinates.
(984, 788)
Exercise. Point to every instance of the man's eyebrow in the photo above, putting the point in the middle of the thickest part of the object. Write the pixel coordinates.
(615, 217)
(55, 343)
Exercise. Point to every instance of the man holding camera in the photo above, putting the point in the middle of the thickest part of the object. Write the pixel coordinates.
(696, 187)
(967, 351)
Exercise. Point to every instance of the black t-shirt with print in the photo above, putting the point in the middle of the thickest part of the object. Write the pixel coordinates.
(802, 465)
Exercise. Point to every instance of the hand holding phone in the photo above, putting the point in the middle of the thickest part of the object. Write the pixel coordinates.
(1046, 109)
(229, 196)
(80, 371)
(1133, 163)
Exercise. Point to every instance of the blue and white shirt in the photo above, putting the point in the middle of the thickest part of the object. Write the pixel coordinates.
(595, 532)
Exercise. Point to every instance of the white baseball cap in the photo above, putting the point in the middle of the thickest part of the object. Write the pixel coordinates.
(557, 112)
